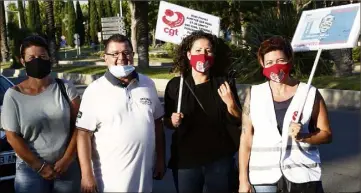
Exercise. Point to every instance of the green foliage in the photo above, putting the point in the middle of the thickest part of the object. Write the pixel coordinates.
(58, 17)
(33, 16)
(274, 24)
(64, 20)
(116, 7)
(108, 8)
(80, 29)
(170, 48)
(70, 27)
(101, 12)
(85, 11)
(356, 54)
(93, 20)
(16, 34)
(126, 17)
(12, 16)
(22, 13)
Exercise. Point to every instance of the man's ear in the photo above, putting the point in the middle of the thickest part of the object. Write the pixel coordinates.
(22, 61)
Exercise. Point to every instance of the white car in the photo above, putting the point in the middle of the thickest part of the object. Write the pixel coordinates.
(7, 155)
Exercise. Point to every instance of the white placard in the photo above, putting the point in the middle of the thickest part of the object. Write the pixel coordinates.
(328, 28)
(175, 22)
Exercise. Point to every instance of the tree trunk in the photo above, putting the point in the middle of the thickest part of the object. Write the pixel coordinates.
(22, 14)
(343, 62)
(50, 30)
(140, 10)
(133, 27)
(153, 38)
(3, 34)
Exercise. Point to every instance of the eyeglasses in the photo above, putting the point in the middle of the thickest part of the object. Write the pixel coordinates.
(117, 54)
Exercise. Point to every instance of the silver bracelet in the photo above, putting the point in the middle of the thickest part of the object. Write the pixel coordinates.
(42, 167)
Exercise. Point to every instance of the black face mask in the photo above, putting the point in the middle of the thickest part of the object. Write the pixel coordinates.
(38, 68)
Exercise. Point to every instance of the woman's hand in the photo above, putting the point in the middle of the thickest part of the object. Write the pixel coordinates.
(226, 94)
(177, 119)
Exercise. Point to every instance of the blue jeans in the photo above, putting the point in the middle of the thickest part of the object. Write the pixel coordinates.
(212, 177)
(29, 181)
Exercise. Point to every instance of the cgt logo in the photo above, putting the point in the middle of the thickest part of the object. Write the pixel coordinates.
(172, 19)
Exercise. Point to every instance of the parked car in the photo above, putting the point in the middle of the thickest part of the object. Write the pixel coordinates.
(7, 154)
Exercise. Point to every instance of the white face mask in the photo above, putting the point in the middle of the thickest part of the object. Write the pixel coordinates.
(121, 71)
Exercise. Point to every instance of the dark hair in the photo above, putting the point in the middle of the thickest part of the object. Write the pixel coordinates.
(33, 40)
(221, 53)
(272, 44)
(117, 38)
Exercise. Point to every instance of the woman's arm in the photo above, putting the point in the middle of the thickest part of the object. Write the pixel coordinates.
(23, 151)
(245, 142)
(323, 133)
(71, 149)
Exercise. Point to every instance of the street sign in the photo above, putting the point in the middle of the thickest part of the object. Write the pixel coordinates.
(113, 23)
(110, 19)
(76, 36)
(111, 26)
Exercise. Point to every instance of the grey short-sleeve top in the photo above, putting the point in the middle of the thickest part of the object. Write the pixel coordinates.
(42, 120)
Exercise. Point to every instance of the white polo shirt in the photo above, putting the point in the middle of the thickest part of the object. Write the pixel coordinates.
(122, 119)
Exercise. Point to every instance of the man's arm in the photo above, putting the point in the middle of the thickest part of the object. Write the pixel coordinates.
(84, 152)
(159, 139)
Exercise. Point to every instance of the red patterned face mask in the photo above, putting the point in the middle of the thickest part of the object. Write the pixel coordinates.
(202, 62)
(277, 72)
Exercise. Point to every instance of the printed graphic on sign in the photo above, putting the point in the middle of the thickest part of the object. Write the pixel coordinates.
(175, 22)
(173, 19)
(328, 28)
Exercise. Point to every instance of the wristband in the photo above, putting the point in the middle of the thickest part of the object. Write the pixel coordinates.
(42, 167)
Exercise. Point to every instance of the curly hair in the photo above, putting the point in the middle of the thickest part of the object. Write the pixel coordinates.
(221, 52)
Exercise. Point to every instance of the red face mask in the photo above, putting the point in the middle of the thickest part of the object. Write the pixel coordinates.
(277, 72)
(202, 62)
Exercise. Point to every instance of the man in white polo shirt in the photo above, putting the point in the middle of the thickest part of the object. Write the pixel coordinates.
(120, 137)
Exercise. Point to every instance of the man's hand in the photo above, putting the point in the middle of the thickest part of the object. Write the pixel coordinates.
(160, 169)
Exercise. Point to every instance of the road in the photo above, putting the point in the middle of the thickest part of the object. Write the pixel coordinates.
(341, 159)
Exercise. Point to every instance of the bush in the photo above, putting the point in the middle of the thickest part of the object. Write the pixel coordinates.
(170, 48)
(271, 24)
(100, 54)
(356, 55)
(16, 36)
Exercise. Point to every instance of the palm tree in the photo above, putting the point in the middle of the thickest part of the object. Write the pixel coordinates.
(50, 30)
(139, 28)
(3, 34)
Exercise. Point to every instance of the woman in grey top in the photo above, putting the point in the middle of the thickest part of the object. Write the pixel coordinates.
(37, 119)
